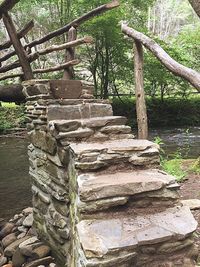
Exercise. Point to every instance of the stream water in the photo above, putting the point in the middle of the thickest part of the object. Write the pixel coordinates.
(15, 191)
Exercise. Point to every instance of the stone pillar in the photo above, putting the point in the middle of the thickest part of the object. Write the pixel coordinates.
(99, 197)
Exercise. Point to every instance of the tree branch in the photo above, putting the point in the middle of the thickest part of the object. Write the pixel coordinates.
(20, 34)
(196, 6)
(176, 68)
(6, 5)
(75, 23)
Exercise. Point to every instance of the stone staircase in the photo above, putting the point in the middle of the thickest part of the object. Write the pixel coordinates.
(121, 210)
(125, 210)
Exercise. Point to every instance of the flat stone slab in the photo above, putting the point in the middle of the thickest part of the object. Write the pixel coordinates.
(113, 146)
(125, 233)
(65, 125)
(94, 187)
(193, 204)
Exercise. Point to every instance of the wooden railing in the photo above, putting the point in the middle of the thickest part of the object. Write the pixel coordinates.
(140, 40)
(25, 54)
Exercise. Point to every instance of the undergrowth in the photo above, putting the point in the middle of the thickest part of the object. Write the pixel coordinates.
(11, 116)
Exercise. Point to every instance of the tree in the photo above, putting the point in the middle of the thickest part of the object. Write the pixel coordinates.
(196, 6)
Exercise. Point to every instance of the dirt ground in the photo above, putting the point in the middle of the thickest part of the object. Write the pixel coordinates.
(190, 189)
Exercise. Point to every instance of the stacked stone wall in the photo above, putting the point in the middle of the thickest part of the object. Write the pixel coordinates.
(99, 198)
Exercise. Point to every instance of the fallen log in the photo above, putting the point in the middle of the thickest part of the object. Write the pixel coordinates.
(12, 93)
(20, 34)
(192, 76)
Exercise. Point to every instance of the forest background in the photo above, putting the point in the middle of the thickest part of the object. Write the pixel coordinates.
(108, 62)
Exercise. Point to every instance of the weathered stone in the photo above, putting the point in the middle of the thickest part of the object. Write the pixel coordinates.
(122, 261)
(10, 250)
(40, 252)
(36, 263)
(30, 240)
(174, 246)
(140, 161)
(36, 87)
(114, 146)
(18, 259)
(193, 204)
(103, 121)
(116, 129)
(7, 240)
(57, 219)
(21, 235)
(7, 229)
(61, 207)
(3, 260)
(80, 133)
(64, 155)
(64, 233)
(44, 141)
(102, 204)
(27, 250)
(22, 229)
(94, 187)
(28, 220)
(80, 111)
(99, 237)
(64, 126)
(66, 89)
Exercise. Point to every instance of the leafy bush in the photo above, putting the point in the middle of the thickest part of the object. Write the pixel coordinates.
(172, 112)
(11, 117)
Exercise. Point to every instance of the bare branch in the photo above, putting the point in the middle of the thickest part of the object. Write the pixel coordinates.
(176, 68)
(77, 22)
(20, 34)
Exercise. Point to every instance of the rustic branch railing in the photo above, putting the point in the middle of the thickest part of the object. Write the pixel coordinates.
(192, 76)
(25, 59)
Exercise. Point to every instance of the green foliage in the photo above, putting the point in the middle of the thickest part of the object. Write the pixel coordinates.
(172, 112)
(11, 117)
(173, 167)
(196, 166)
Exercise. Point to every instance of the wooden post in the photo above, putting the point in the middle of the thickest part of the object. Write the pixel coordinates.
(26, 67)
(139, 92)
(70, 55)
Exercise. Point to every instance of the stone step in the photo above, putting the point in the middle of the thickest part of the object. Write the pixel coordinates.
(128, 233)
(94, 186)
(102, 191)
(72, 125)
(93, 129)
(79, 110)
(93, 156)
